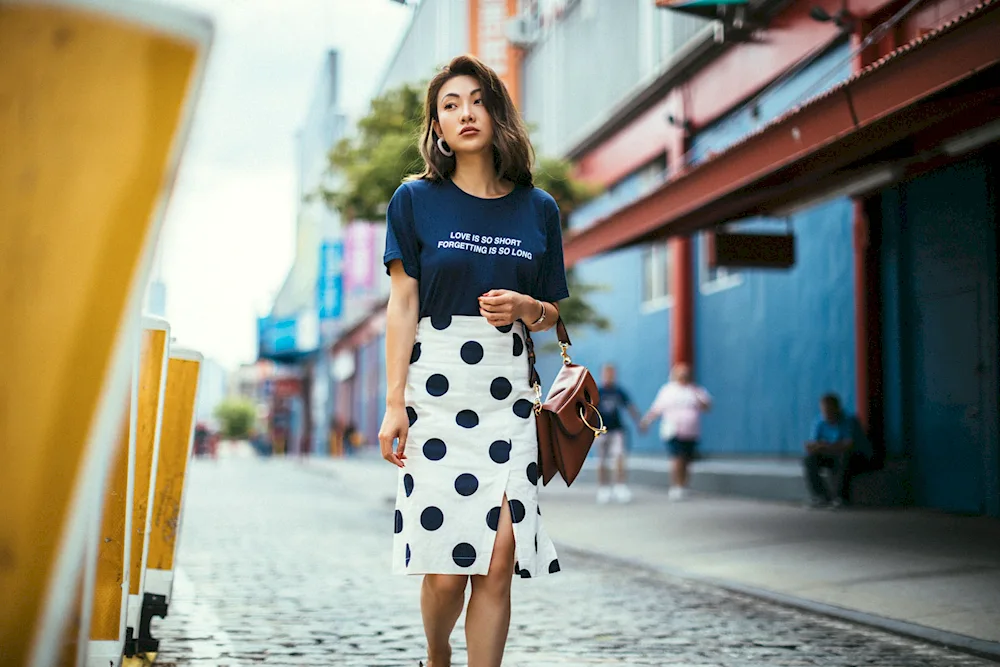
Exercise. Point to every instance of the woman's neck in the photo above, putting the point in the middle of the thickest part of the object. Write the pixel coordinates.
(476, 175)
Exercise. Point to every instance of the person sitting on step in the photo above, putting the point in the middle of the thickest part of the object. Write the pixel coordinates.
(836, 440)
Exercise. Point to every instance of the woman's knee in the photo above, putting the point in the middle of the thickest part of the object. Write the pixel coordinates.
(495, 583)
(449, 585)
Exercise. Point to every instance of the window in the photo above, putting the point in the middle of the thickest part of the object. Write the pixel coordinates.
(656, 277)
(714, 278)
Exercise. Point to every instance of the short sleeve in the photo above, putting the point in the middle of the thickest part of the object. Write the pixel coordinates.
(552, 273)
(816, 430)
(400, 233)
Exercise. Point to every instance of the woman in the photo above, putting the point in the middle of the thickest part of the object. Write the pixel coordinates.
(679, 404)
(474, 252)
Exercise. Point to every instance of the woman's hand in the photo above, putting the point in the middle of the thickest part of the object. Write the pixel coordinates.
(501, 307)
(395, 426)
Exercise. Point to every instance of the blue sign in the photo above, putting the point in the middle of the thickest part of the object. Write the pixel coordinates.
(330, 287)
(276, 336)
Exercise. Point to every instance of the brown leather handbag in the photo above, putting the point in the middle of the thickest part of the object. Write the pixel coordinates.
(565, 418)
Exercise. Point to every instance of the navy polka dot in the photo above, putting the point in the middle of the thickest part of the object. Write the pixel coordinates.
(399, 522)
(525, 574)
(505, 328)
(407, 555)
(533, 472)
(554, 566)
(437, 385)
(466, 484)
(472, 352)
(467, 419)
(464, 555)
(415, 354)
(408, 484)
(441, 322)
(500, 451)
(516, 511)
(435, 449)
(523, 408)
(536, 543)
(518, 345)
(431, 518)
(517, 568)
(539, 510)
(411, 414)
(493, 518)
(500, 388)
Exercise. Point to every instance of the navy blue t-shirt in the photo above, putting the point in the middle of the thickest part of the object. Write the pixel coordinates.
(459, 246)
(613, 401)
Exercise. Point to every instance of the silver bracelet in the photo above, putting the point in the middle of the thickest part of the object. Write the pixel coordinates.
(541, 317)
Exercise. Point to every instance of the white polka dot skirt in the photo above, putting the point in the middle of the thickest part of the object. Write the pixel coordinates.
(472, 441)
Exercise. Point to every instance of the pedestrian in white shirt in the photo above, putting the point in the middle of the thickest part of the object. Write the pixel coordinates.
(679, 405)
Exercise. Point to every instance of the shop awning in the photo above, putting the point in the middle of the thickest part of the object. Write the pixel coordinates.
(944, 82)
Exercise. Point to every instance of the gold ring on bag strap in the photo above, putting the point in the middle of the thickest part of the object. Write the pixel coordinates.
(538, 399)
(602, 429)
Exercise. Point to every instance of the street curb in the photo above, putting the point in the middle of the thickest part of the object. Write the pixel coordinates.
(978, 647)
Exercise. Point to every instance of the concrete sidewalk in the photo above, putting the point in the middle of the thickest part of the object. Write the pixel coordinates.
(935, 571)
(930, 575)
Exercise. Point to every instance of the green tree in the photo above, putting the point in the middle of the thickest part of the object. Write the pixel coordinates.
(370, 165)
(237, 417)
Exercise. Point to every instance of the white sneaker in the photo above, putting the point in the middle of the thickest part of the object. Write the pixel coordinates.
(621, 493)
(603, 495)
(675, 494)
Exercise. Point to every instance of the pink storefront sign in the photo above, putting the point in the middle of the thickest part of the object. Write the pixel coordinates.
(360, 256)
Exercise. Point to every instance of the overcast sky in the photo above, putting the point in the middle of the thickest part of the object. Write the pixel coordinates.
(228, 239)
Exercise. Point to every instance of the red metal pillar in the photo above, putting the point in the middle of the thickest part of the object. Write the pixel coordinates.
(682, 316)
(681, 264)
(865, 339)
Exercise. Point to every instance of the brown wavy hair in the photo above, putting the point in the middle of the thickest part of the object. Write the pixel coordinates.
(512, 151)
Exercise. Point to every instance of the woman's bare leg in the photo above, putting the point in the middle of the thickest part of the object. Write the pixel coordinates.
(442, 597)
(488, 617)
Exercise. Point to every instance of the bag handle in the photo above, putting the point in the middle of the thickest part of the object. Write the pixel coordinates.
(564, 342)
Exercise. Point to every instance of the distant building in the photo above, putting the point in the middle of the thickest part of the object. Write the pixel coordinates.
(309, 305)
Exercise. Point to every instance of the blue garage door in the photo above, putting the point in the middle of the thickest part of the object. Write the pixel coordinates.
(947, 237)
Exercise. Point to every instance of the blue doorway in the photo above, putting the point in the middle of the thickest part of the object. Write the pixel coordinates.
(949, 336)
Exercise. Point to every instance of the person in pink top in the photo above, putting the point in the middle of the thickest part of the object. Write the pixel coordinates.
(679, 405)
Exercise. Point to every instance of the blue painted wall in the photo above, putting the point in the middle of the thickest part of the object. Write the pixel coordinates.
(774, 341)
(768, 348)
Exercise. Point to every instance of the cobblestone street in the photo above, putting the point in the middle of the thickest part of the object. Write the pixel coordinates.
(283, 564)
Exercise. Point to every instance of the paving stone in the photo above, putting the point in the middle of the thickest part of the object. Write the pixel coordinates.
(281, 564)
